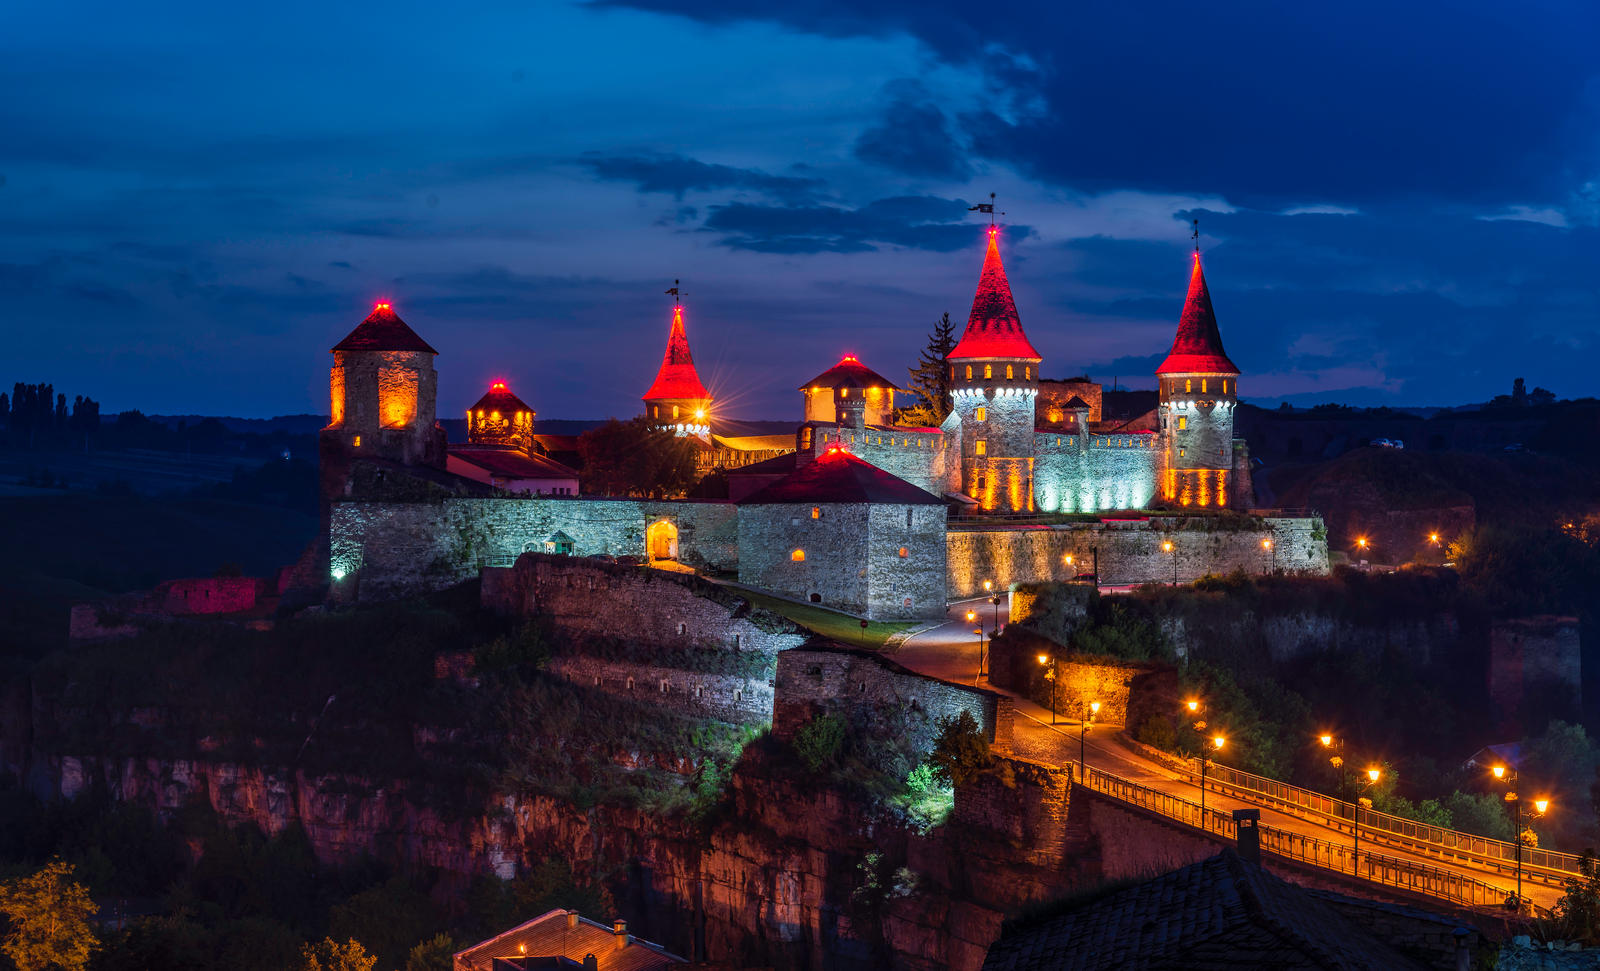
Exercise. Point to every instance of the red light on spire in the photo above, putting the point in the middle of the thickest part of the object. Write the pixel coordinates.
(847, 357)
(497, 386)
(381, 305)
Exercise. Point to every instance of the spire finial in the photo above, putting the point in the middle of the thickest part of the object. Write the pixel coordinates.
(674, 290)
(987, 207)
(1196, 237)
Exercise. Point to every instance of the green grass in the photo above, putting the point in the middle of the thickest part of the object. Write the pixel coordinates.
(840, 627)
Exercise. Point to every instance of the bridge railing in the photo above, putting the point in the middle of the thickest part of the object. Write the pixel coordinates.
(1550, 867)
(1418, 878)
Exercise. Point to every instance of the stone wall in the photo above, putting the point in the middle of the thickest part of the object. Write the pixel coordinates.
(209, 595)
(880, 695)
(1081, 679)
(593, 598)
(704, 694)
(1092, 473)
(917, 456)
(1130, 551)
(387, 549)
(1534, 668)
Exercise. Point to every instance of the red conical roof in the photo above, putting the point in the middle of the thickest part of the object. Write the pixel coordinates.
(677, 377)
(993, 329)
(1198, 347)
(499, 398)
(383, 330)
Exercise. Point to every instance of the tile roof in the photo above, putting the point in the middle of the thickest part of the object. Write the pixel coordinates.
(551, 936)
(677, 377)
(499, 398)
(1218, 913)
(838, 476)
(1197, 348)
(755, 443)
(383, 330)
(993, 328)
(849, 373)
(512, 463)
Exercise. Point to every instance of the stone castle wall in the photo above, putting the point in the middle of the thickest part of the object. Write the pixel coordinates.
(832, 546)
(1130, 552)
(880, 695)
(918, 457)
(911, 585)
(1095, 472)
(386, 549)
(704, 694)
(1533, 661)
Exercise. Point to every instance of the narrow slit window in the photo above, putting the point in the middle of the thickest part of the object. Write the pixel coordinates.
(798, 555)
(988, 371)
(981, 414)
(981, 447)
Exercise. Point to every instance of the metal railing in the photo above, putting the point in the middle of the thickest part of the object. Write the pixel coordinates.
(1418, 878)
(1549, 867)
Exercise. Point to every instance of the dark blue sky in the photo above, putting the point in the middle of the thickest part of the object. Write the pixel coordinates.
(1398, 202)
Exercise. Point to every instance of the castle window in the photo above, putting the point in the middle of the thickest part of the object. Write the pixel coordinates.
(908, 519)
(816, 512)
(844, 392)
(1182, 452)
(356, 441)
(1009, 374)
(969, 372)
(981, 414)
(1188, 384)
(980, 447)
(952, 372)
(1202, 385)
(1182, 423)
(1027, 373)
(674, 411)
(904, 552)
(798, 556)
(988, 370)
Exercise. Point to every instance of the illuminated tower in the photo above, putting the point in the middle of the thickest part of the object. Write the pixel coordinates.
(850, 393)
(383, 392)
(994, 377)
(500, 419)
(677, 399)
(1199, 388)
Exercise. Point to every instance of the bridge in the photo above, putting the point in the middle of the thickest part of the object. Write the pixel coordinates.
(1309, 828)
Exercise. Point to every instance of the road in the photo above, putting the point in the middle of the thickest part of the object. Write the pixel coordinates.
(950, 652)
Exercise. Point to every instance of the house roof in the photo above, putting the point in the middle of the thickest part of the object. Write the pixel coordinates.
(1075, 403)
(511, 463)
(778, 465)
(1197, 349)
(993, 328)
(755, 443)
(383, 330)
(499, 398)
(1218, 913)
(549, 936)
(677, 378)
(849, 373)
(838, 476)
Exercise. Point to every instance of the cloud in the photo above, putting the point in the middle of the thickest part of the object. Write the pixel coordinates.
(913, 136)
(1529, 214)
(908, 222)
(678, 175)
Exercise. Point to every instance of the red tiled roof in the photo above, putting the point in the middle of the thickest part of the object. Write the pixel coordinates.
(1198, 347)
(383, 330)
(838, 476)
(499, 398)
(677, 377)
(511, 463)
(849, 373)
(993, 329)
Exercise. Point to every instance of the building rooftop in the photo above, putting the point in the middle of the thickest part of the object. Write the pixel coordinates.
(756, 443)
(849, 373)
(838, 476)
(1197, 349)
(499, 398)
(383, 330)
(512, 463)
(1218, 913)
(564, 934)
(677, 378)
(993, 328)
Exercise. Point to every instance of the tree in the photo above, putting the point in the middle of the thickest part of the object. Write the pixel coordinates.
(931, 377)
(434, 954)
(960, 752)
(330, 955)
(1578, 911)
(635, 458)
(819, 741)
(388, 917)
(49, 916)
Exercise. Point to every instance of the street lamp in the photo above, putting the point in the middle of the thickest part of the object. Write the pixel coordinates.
(1540, 805)
(1336, 745)
(1083, 729)
(1271, 547)
(1217, 741)
(1373, 775)
(972, 618)
(1050, 676)
(988, 586)
(1168, 547)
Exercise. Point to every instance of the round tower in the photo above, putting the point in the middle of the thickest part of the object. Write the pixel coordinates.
(500, 419)
(850, 388)
(677, 399)
(383, 393)
(994, 378)
(1199, 387)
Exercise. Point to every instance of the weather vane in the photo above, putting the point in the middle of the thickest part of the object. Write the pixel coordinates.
(675, 293)
(1196, 236)
(987, 207)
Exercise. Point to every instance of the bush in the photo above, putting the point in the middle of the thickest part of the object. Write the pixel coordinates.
(819, 741)
(961, 752)
(1157, 730)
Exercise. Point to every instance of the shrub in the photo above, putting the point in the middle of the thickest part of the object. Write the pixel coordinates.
(961, 752)
(1156, 730)
(819, 741)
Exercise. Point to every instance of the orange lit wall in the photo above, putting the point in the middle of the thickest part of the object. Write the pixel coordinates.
(336, 393)
(1195, 487)
(397, 396)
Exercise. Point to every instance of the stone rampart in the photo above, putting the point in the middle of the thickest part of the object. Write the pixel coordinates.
(209, 595)
(723, 696)
(880, 695)
(1534, 669)
(387, 549)
(1081, 679)
(654, 607)
(1130, 551)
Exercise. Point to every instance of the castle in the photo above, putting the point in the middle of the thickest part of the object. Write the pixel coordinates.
(853, 511)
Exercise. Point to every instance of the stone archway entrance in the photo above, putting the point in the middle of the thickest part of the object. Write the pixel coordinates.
(661, 540)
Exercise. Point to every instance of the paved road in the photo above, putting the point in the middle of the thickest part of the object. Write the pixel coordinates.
(950, 652)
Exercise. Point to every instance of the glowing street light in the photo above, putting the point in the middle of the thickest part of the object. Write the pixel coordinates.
(1336, 745)
(1053, 668)
(1217, 742)
(1083, 729)
(972, 618)
(1272, 548)
(1168, 547)
(1433, 538)
(1540, 806)
(1373, 775)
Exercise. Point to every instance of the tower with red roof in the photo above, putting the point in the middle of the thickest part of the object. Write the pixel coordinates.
(383, 394)
(677, 399)
(1199, 387)
(994, 378)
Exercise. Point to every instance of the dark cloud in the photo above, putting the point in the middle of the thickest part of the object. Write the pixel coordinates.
(913, 136)
(906, 222)
(677, 175)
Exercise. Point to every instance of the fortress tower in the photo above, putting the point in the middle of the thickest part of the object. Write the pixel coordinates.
(850, 393)
(677, 399)
(383, 394)
(994, 375)
(1199, 388)
(500, 419)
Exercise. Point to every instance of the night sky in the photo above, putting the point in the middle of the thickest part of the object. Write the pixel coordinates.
(1398, 203)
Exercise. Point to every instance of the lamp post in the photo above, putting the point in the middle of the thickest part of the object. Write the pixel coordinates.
(1539, 806)
(1373, 775)
(972, 618)
(1053, 667)
(1271, 547)
(994, 598)
(1168, 547)
(1094, 551)
(1083, 729)
(1336, 745)
(1217, 741)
